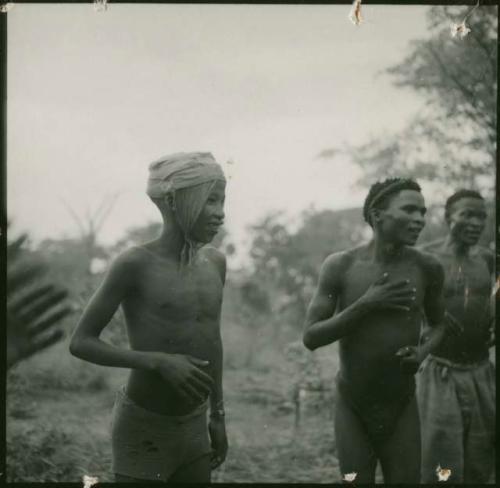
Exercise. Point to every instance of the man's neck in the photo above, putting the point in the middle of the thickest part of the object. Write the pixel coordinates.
(458, 249)
(385, 251)
(171, 240)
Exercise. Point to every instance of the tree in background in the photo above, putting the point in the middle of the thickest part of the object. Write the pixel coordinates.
(35, 306)
(285, 264)
(452, 141)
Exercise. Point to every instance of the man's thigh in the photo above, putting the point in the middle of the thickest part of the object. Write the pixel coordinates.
(354, 449)
(198, 471)
(479, 450)
(121, 478)
(400, 454)
(441, 423)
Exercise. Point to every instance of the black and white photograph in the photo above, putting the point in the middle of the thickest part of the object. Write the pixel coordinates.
(250, 243)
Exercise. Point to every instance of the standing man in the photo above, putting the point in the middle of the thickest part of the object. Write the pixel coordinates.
(170, 290)
(456, 387)
(372, 300)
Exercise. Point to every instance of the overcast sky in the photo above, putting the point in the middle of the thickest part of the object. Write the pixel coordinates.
(93, 97)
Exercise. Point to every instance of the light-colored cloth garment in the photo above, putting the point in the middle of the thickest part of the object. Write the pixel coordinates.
(457, 416)
(189, 178)
(150, 446)
(189, 203)
(182, 170)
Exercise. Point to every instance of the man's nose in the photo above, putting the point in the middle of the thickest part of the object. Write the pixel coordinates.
(219, 212)
(476, 222)
(418, 218)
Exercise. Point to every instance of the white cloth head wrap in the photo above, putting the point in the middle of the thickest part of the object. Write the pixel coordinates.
(182, 170)
(194, 174)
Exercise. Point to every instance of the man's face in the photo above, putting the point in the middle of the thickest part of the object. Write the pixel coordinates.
(467, 219)
(403, 219)
(212, 215)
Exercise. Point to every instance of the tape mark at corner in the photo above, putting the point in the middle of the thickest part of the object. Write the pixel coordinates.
(443, 473)
(5, 7)
(89, 481)
(100, 5)
(349, 477)
(355, 14)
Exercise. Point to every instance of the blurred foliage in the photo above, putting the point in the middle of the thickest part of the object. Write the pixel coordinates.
(35, 305)
(285, 264)
(451, 142)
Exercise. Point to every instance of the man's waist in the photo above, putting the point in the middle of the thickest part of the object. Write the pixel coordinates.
(463, 365)
(152, 393)
(379, 390)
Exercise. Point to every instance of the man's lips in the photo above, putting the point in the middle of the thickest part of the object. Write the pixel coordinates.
(472, 234)
(415, 232)
(214, 227)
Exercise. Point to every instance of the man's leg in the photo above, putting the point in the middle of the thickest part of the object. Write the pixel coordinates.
(479, 459)
(441, 423)
(400, 454)
(354, 449)
(121, 478)
(198, 471)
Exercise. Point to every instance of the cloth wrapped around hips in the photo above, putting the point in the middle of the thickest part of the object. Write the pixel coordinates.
(189, 178)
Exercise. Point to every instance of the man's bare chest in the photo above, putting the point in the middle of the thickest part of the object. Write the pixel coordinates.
(194, 293)
(362, 274)
(470, 277)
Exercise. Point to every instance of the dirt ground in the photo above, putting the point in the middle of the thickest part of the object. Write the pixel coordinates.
(60, 435)
(58, 426)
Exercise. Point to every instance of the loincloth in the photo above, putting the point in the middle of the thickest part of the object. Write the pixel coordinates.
(148, 445)
(379, 416)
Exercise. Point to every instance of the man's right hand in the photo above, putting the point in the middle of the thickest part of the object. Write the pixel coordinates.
(397, 295)
(183, 374)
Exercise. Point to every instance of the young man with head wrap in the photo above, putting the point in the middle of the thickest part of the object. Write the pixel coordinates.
(456, 385)
(372, 300)
(170, 291)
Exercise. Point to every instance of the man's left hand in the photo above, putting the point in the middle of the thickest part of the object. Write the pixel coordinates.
(218, 439)
(410, 359)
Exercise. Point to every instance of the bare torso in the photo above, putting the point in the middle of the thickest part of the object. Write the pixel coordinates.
(467, 292)
(368, 361)
(171, 311)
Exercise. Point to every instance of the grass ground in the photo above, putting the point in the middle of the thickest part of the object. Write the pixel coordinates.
(59, 414)
(61, 432)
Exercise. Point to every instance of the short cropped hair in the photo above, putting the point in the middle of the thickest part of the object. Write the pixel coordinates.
(381, 192)
(458, 195)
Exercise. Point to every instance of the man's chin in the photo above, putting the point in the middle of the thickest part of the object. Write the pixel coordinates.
(470, 241)
(411, 242)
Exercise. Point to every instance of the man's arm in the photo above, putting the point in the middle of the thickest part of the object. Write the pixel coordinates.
(324, 327)
(85, 343)
(217, 424)
(320, 327)
(434, 307)
(489, 257)
(181, 372)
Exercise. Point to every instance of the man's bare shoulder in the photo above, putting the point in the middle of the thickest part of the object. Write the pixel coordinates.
(129, 260)
(339, 262)
(428, 261)
(488, 256)
(216, 257)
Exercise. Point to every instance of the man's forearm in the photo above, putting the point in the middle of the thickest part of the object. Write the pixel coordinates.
(330, 330)
(96, 351)
(433, 338)
(216, 396)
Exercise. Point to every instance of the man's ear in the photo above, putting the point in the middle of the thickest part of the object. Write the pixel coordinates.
(170, 201)
(447, 218)
(374, 215)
